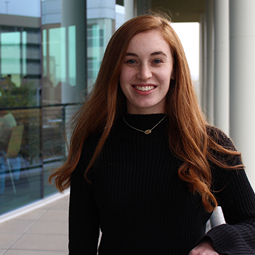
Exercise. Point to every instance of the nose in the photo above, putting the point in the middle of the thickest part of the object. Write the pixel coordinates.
(144, 72)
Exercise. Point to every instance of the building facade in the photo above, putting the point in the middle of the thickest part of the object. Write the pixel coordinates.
(49, 59)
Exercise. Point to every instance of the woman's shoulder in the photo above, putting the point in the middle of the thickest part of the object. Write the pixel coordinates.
(220, 137)
(223, 149)
(215, 132)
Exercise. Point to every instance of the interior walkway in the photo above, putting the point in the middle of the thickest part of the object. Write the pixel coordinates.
(43, 231)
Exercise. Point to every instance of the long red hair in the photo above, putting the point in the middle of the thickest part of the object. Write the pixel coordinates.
(188, 134)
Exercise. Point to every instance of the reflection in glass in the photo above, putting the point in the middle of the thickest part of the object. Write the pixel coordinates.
(64, 76)
(20, 159)
(10, 53)
(57, 51)
(20, 113)
(99, 32)
(47, 64)
(72, 55)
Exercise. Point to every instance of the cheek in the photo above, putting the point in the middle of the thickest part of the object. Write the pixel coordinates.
(122, 81)
(125, 78)
(122, 87)
(123, 84)
(122, 76)
(165, 79)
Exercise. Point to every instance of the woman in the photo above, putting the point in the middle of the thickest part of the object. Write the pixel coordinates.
(144, 166)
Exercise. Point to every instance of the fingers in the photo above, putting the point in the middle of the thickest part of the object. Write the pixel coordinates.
(204, 248)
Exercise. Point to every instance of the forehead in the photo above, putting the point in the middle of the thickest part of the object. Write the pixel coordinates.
(151, 40)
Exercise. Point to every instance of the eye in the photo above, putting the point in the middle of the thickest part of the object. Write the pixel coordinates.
(157, 61)
(130, 61)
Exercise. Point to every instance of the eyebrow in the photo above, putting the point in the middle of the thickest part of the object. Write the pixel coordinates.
(152, 54)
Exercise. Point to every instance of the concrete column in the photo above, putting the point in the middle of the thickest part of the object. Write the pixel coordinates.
(221, 64)
(202, 63)
(73, 18)
(129, 9)
(209, 61)
(242, 77)
(221, 79)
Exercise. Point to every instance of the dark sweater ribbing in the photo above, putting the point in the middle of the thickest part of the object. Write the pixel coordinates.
(141, 205)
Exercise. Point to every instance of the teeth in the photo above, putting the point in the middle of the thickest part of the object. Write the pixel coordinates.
(144, 88)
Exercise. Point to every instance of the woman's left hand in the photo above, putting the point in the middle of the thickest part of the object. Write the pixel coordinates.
(204, 248)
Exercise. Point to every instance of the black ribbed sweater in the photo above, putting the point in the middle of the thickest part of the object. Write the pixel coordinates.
(142, 207)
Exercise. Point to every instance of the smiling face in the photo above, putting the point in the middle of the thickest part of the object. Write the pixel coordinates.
(146, 73)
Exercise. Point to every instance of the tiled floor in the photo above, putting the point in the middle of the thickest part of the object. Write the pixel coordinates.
(43, 231)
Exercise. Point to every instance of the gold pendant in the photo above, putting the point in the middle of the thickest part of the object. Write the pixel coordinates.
(147, 132)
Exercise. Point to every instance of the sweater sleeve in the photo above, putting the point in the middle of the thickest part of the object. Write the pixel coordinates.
(237, 200)
(238, 203)
(83, 213)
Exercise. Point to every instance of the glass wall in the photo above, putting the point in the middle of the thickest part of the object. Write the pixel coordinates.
(50, 54)
(99, 33)
(20, 112)
(64, 66)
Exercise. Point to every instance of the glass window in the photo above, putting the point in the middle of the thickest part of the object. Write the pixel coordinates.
(64, 76)
(20, 129)
(39, 91)
(50, 54)
(99, 32)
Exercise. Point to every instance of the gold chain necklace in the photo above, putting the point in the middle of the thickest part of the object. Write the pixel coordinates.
(148, 131)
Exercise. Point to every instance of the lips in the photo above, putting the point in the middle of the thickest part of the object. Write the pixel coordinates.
(144, 88)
